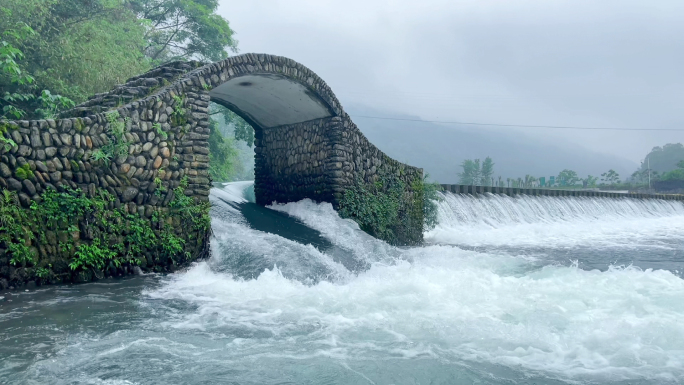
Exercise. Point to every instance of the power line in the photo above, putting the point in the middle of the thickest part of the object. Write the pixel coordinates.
(522, 125)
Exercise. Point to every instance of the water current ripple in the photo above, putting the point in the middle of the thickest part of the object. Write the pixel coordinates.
(506, 290)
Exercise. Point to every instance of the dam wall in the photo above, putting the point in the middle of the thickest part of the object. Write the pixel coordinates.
(512, 191)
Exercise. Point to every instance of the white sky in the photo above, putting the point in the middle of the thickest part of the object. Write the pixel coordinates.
(606, 63)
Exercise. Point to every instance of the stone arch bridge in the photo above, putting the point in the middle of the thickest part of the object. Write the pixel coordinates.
(306, 146)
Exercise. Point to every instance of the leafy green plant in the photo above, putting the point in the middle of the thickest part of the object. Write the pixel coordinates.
(171, 244)
(178, 115)
(428, 192)
(158, 128)
(118, 145)
(115, 237)
(160, 189)
(15, 230)
(241, 129)
(9, 57)
(52, 104)
(24, 172)
(44, 272)
(5, 143)
(193, 214)
(388, 210)
(21, 253)
(19, 91)
(374, 206)
(100, 155)
(92, 255)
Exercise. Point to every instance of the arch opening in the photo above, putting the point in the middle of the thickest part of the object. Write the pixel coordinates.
(270, 100)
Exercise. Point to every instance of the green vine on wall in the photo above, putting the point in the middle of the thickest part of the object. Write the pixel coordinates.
(385, 208)
(429, 192)
(118, 145)
(161, 133)
(6, 143)
(92, 235)
(375, 206)
(178, 117)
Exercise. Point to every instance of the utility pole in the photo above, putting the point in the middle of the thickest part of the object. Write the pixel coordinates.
(649, 174)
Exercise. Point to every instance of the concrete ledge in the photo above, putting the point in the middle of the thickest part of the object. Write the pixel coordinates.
(512, 191)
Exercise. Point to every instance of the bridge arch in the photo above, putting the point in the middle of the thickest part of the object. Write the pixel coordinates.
(306, 145)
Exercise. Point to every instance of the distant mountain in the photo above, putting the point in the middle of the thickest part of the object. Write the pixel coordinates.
(440, 149)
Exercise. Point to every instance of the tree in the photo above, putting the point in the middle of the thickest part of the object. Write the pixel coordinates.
(487, 171)
(611, 177)
(590, 181)
(570, 177)
(75, 48)
(665, 158)
(223, 157)
(241, 129)
(20, 82)
(467, 176)
(78, 48)
(184, 29)
(677, 174)
(11, 73)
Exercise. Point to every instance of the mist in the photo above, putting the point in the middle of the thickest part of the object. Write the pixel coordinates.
(552, 63)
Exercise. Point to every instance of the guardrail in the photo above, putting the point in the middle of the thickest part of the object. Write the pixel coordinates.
(512, 191)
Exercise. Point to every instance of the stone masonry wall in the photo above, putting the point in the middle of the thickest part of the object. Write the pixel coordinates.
(60, 153)
(291, 162)
(164, 113)
(320, 160)
(165, 139)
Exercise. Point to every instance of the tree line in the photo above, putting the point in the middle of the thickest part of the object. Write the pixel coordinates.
(475, 172)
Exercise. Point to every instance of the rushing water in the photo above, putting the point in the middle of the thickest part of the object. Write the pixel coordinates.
(522, 290)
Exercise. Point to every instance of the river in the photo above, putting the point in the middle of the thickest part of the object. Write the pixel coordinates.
(524, 290)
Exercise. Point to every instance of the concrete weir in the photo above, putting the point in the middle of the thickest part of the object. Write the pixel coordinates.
(512, 191)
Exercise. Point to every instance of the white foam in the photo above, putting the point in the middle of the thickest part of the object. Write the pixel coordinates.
(453, 305)
(558, 222)
(624, 322)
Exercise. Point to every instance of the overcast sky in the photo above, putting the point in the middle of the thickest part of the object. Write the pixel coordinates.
(590, 63)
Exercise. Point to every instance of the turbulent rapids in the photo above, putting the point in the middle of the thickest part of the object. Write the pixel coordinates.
(520, 290)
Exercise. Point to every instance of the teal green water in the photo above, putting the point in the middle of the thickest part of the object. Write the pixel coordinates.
(525, 291)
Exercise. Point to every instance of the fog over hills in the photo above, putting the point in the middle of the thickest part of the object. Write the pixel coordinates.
(440, 148)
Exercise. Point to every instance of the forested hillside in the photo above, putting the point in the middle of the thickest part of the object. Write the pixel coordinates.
(56, 53)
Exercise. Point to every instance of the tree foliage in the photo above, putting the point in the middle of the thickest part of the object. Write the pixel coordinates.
(477, 173)
(664, 159)
(223, 157)
(610, 177)
(677, 174)
(77, 48)
(72, 48)
(568, 177)
(184, 29)
(241, 129)
(487, 172)
(590, 181)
